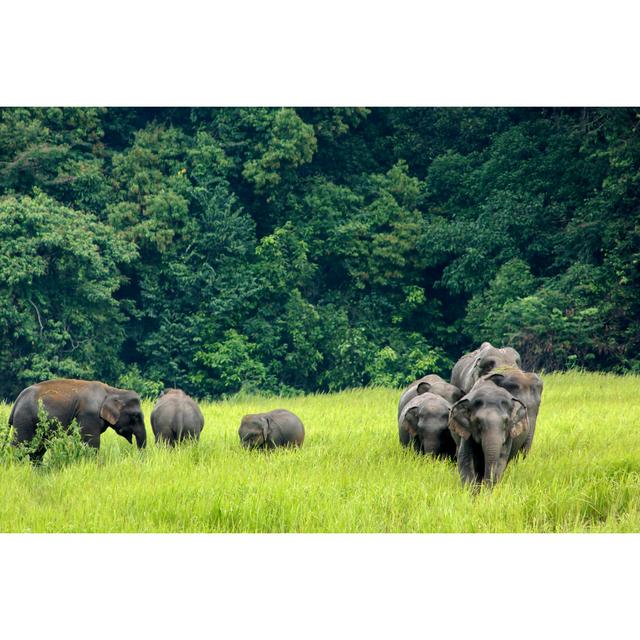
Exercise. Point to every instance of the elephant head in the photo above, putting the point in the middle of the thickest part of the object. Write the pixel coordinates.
(426, 420)
(255, 431)
(122, 411)
(488, 419)
(526, 387)
(489, 357)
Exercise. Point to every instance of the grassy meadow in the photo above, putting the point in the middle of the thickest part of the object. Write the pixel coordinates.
(351, 475)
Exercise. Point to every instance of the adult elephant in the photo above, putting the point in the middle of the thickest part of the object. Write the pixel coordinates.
(424, 424)
(429, 384)
(277, 428)
(94, 405)
(491, 426)
(526, 387)
(472, 366)
(176, 417)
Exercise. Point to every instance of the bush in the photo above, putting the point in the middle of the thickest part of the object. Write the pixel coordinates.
(64, 445)
(397, 367)
(231, 366)
(135, 381)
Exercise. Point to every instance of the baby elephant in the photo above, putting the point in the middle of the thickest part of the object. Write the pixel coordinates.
(424, 422)
(277, 428)
(176, 417)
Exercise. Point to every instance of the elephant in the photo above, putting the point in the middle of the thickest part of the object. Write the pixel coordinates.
(424, 423)
(431, 384)
(491, 426)
(94, 405)
(277, 428)
(526, 387)
(472, 366)
(176, 417)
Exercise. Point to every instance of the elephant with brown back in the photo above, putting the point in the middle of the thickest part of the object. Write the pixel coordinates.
(94, 405)
(429, 384)
(491, 427)
(176, 417)
(472, 366)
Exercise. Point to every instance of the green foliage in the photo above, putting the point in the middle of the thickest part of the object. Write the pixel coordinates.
(230, 365)
(60, 269)
(64, 445)
(397, 367)
(134, 380)
(313, 248)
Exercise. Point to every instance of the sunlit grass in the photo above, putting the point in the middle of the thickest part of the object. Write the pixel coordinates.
(351, 475)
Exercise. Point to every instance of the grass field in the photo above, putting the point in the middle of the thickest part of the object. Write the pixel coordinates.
(351, 475)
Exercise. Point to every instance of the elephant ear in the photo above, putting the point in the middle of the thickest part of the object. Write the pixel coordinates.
(519, 418)
(459, 419)
(423, 387)
(110, 409)
(410, 421)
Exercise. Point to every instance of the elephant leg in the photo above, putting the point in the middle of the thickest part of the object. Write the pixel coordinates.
(466, 465)
(25, 435)
(92, 440)
(164, 439)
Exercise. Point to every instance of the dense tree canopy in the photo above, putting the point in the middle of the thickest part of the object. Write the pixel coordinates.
(289, 250)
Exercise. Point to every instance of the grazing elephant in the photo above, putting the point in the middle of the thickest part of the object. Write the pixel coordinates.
(526, 387)
(94, 405)
(424, 423)
(472, 366)
(277, 428)
(429, 384)
(491, 426)
(176, 417)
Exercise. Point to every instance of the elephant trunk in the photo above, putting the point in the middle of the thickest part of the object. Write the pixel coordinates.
(492, 447)
(431, 443)
(141, 436)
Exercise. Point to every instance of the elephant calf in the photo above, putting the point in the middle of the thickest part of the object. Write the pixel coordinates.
(424, 423)
(94, 405)
(429, 384)
(491, 426)
(277, 428)
(472, 366)
(176, 417)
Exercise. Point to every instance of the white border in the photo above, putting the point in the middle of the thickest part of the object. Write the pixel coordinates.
(338, 52)
(319, 586)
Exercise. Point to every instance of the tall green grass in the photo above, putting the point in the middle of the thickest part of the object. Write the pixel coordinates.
(351, 475)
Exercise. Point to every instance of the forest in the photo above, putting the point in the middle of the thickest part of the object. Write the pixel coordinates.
(294, 250)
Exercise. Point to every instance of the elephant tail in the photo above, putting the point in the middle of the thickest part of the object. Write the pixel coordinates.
(179, 425)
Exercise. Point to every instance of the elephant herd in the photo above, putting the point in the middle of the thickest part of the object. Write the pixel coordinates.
(483, 418)
(96, 406)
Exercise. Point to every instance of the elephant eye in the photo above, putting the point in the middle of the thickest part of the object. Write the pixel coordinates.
(478, 403)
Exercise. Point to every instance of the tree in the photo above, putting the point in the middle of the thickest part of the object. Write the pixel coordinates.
(60, 270)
